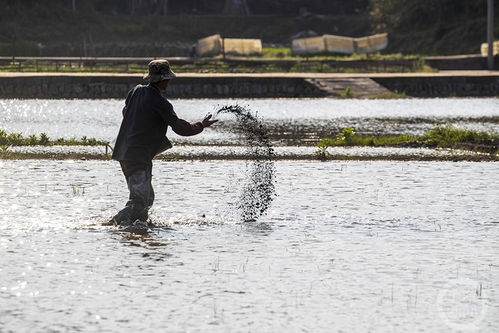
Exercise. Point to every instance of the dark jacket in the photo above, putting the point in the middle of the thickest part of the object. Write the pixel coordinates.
(146, 116)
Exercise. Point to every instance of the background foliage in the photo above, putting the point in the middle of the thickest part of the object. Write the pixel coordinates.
(169, 27)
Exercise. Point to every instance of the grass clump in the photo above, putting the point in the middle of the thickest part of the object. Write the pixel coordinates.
(347, 93)
(441, 136)
(348, 137)
(17, 139)
(391, 95)
(448, 135)
(277, 52)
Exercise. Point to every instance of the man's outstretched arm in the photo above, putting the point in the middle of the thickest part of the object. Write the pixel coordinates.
(185, 128)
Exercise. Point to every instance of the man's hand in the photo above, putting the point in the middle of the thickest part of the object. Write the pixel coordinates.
(207, 122)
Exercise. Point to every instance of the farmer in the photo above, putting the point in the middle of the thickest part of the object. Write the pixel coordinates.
(146, 116)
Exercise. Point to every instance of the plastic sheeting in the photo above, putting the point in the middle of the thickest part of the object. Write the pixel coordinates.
(371, 44)
(311, 45)
(242, 47)
(209, 46)
(485, 49)
(214, 45)
(339, 44)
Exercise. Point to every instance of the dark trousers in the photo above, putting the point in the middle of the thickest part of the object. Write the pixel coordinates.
(138, 177)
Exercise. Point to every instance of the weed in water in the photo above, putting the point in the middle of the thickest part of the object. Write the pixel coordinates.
(15, 139)
(346, 135)
(44, 139)
(3, 138)
(78, 191)
(32, 140)
(321, 154)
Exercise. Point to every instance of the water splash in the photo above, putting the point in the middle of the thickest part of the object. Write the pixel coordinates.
(258, 191)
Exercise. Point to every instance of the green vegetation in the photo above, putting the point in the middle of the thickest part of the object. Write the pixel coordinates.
(16, 139)
(285, 53)
(432, 26)
(318, 64)
(228, 66)
(441, 136)
(277, 52)
(391, 95)
(10, 155)
(449, 137)
(347, 93)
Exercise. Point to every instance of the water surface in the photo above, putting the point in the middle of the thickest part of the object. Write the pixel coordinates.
(346, 246)
(291, 122)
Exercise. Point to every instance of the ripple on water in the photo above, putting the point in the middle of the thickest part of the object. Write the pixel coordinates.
(289, 121)
(359, 246)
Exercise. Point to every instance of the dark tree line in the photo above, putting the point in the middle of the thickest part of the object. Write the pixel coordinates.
(408, 15)
(176, 7)
(232, 7)
(430, 26)
(386, 15)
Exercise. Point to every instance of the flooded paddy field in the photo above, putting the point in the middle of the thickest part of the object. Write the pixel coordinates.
(350, 246)
(346, 246)
(289, 122)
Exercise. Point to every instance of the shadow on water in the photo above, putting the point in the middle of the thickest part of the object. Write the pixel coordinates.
(152, 242)
(257, 228)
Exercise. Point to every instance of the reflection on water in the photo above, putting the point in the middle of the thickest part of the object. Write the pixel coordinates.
(345, 246)
(289, 121)
(353, 246)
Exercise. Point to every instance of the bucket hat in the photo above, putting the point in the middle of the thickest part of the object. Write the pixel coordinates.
(159, 70)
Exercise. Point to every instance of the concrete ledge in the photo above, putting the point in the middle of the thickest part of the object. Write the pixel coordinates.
(105, 86)
(275, 85)
(460, 62)
(460, 86)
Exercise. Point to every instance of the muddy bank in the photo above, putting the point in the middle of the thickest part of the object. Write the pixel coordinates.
(335, 154)
(99, 86)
